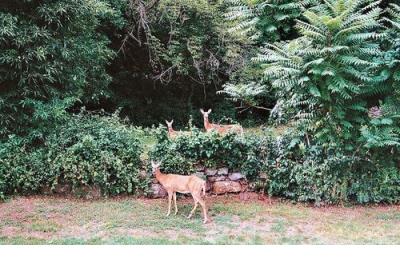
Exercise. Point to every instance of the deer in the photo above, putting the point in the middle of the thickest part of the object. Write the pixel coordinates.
(171, 132)
(221, 129)
(174, 183)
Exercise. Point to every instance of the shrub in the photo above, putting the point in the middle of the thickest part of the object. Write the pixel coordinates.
(88, 150)
(211, 150)
(22, 170)
(312, 172)
(94, 150)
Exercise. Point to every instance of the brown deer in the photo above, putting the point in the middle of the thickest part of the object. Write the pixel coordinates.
(171, 132)
(182, 184)
(221, 129)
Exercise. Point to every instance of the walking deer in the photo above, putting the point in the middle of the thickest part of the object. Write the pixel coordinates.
(221, 129)
(182, 184)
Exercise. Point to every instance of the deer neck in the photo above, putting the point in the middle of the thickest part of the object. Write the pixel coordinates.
(159, 176)
(207, 124)
(170, 130)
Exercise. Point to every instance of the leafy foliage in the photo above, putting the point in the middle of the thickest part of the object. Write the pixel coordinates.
(22, 170)
(97, 150)
(88, 150)
(50, 49)
(183, 153)
(329, 73)
(178, 49)
(265, 20)
(312, 173)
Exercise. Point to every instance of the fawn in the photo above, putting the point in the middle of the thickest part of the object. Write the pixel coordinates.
(182, 184)
(221, 129)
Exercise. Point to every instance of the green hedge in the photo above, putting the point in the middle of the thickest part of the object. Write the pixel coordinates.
(330, 175)
(97, 150)
(88, 150)
(183, 153)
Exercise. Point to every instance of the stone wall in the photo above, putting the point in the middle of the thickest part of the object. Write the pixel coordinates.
(219, 181)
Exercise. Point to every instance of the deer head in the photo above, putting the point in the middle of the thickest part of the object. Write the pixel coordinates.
(169, 123)
(205, 113)
(155, 166)
(207, 124)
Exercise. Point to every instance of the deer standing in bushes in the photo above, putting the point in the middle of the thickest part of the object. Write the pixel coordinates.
(221, 129)
(182, 184)
(171, 132)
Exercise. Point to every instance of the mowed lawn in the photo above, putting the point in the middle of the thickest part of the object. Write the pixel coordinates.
(54, 220)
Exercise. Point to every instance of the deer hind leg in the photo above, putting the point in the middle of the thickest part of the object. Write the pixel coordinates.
(176, 207)
(169, 203)
(203, 205)
(194, 208)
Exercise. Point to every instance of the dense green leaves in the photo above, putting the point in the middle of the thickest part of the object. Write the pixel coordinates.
(86, 151)
(50, 49)
(184, 153)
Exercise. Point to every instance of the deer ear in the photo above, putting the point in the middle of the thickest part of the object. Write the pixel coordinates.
(152, 163)
(202, 111)
(166, 122)
(172, 121)
(209, 110)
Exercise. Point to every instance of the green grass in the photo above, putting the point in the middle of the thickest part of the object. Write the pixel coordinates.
(41, 220)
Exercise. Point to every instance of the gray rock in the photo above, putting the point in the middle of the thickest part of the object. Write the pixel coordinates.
(88, 192)
(199, 168)
(200, 174)
(158, 191)
(62, 189)
(216, 178)
(223, 187)
(93, 192)
(263, 176)
(236, 176)
(210, 172)
(222, 171)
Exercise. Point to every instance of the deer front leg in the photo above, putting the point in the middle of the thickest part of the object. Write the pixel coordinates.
(176, 207)
(169, 203)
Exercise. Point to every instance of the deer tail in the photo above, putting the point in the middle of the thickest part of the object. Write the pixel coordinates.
(204, 188)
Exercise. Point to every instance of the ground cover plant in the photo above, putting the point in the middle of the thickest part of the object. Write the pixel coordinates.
(38, 220)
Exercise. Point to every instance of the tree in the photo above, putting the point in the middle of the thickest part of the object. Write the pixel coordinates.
(261, 22)
(178, 49)
(332, 74)
(51, 52)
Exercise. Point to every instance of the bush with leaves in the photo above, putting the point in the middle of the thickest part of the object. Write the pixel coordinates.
(89, 150)
(23, 168)
(183, 153)
(94, 150)
(304, 171)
